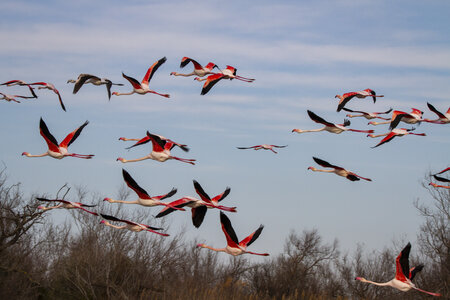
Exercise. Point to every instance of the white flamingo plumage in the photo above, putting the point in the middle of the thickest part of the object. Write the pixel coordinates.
(392, 134)
(360, 94)
(199, 70)
(415, 116)
(130, 225)
(336, 170)
(228, 73)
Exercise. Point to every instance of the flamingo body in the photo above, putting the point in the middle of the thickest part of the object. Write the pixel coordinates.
(345, 98)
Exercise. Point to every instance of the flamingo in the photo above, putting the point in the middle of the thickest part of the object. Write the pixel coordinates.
(198, 69)
(361, 94)
(59, 151)
(415, 116)
(403, 274)
(442, 179)
(368, 116)
(199, 206)
(160, 152)
(330, 127)
(49, 86)
(263, 146)
(10, 98)
(443, 118)
(392, 134)
(143, 87)
(336, 170)
(234, 247)
(88, 78)
(144, 198)
(66, 204)
(228, 73)
(130, 225)
(20, 82)
(146, 139)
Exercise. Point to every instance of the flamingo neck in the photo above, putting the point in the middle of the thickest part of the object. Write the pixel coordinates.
(37, 155)
(122, 201)
(133, 160)
(213, 249)
(122, 94)
(114, 226)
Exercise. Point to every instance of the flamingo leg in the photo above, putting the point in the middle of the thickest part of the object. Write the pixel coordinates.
(189, 161)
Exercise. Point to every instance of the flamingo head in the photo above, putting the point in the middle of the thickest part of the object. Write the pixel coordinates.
(102, 222)
(361, 279)
(197, 78)
(25, 153)
(348, 115)
(107, 199)
(297, 130)
(120, 159)
(173, 73)
(311, 168)
(371, 135)
(201, 245)
(122, 139)
(372, 123)
(115, 93)
(41, 207)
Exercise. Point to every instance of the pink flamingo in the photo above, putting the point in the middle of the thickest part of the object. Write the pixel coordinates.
(234, 247)
(403, 274)
(66, 204)
(392, 134)
(130, 225)
(144, 198)
(198, 69)
(442, 179)
(49, 86)
(147, 139)
(330, 127)
(367, 115)
(20, 82)
(228, 73)
(199, 206)
(59, 151)
(88, 78)
(336, 170)
(443, 118)
(10, 98)
(361, 94)
(143, 87)
(415, 116)
(160, 152)
(263, 146)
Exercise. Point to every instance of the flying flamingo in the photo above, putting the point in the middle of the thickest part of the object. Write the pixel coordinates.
(234, 247)
(160, 152)
(66, 204)
(130, 225)
(361, 94)
(330, 127)
(59, 151)
(442, 179)
(49, 86)
(263, 146)
(143, 87)
(20, 82)
(88, 78)
(199, 206)
(144, 198)
(198, 69)
(415, 116)
(336, 170)
(392, 134)
(147, 139)
(10, 98)
(367, 115)
(228, 73)
(443, 118)
(403, 274)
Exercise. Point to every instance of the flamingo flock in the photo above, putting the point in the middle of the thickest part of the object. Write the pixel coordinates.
(162, 147)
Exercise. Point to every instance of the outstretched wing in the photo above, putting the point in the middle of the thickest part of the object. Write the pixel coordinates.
(222, 196)
(82, 78)
(169, 194)
(433, 109)
(211, 80)
(438, 178)
(402, 264)
(52, 200)
(186, 60)
(396, 118)
(247, 147)
(228, 230)
(151, 71)
(252, 237)
(386, 139)
(133, 81)
(71, 137)
(318, 119)
(198, 214)
(177, 203)
(325, 164)
(345, 98)
(48, 137)
(142, 141)
(134, 186)
(157, 142)
(198, 188)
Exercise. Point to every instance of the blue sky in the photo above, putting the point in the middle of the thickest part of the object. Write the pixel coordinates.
(302, 54)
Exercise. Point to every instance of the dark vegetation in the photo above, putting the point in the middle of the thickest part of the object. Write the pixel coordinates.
(83, 259)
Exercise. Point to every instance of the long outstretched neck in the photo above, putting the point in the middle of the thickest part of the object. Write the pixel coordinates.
(440, 186)
(378, 123)
(320, 170)
(389, 283)
(310, 130)
(363, 131)
(354, 116)
(120, 201)
(164, 95)
(123, 160)
(37, 155)
(185, 160)
(123, 94)
(114, 226)
(211, 248)
(377, 135)
(85, 156)
(181, 74)
(51, 207)
(421, 134)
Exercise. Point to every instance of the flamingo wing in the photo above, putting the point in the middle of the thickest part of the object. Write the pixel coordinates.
(384, 112)
(211, 80)
(276, 146)
(82, 78)
(414, 271)
(11, 81)
(372, 92)
(177, 203)
(136, 85)
(396, 118)
(157, 142)
(386, 139)
(222, 196)
(438, 178)
(354, 111)
(252, 237)
(248, 147)
(71, 137)
(151, 71)
(318, 119)
(186, 60)
(402, 264)
(345, 98)
(198, 214)
(112, 218)
(49, 138)
(228, 230)
(59, 98)
(443, 171)
(433, 109)
(325, 164)
(134, 186)
(198, 188)
(352, 177)
(168, 195)
(142, 141)
(53, 200)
